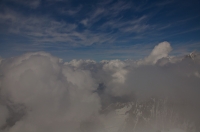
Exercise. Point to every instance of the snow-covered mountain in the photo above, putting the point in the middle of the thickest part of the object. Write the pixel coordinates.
(152, 115)
(195, 56)
(192, 55)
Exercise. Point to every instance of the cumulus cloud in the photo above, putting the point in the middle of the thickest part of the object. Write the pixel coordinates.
(160, 51)
(117, 67)
(40, 93)
(52, 94)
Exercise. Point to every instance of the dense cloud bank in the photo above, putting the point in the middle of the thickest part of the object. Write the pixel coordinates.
(40, 93)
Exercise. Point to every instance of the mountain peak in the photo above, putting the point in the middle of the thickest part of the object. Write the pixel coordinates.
(192, 55)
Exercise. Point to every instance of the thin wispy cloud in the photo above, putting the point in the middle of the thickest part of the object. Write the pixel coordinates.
(81, 24)
(28, 3)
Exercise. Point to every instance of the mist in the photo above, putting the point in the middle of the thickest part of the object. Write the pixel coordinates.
(41, 93)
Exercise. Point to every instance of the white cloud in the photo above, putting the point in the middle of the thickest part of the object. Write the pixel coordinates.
(45, 29)
(117, 68)
(79, 63)
(197, 74)
(160, 51)
(53, 95)
(38, 92)
(84, 22)
(3, 115)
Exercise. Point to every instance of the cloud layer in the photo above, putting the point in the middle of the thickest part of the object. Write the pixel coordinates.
(41, 93)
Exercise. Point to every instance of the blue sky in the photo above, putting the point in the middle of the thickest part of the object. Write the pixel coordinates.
(98, 29)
